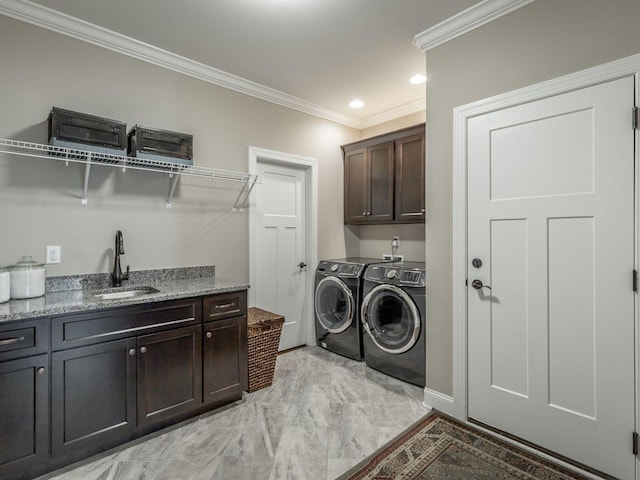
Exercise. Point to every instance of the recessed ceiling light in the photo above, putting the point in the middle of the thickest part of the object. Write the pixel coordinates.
(356, 104)
(418, 79)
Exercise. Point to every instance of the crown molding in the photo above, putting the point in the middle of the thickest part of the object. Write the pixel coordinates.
(465, 21)
(392, 114)
(88, 32)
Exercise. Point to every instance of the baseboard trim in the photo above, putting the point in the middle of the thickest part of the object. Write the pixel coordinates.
(439, 401)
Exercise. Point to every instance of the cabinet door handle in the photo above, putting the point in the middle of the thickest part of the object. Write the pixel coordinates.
(422, 211)
(224, 305)
(209, 334)
(40, 370)
(143, 349)
(11, 341)
(132, 351)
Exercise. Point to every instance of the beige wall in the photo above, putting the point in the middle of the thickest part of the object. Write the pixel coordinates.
(395, 124)
(541, 41)
(40, 199)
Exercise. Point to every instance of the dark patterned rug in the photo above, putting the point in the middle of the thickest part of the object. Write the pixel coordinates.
(439, 447)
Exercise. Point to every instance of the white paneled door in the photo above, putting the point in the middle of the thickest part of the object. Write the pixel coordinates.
(551, 239)
(280, 248)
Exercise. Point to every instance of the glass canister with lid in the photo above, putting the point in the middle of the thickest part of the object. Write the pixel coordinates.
(27, 278)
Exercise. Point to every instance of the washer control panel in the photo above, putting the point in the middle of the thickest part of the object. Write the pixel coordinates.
(346, 270)
(397, 274)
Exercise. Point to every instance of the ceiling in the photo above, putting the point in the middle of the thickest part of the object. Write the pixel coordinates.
(322, 52)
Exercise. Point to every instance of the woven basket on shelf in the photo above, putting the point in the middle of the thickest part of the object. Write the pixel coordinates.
(263, 332)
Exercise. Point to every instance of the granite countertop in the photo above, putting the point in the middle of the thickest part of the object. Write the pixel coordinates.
(72, 294)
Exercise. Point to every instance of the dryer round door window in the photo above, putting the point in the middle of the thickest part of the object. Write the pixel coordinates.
(391, 318)
(334, 304)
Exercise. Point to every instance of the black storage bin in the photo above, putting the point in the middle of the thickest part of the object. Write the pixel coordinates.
(162, 145)
(86, 132)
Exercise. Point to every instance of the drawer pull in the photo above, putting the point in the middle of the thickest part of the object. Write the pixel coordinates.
(10, 341)
(224, 305)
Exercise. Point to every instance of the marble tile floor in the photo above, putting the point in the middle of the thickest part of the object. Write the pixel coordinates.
(323, 414)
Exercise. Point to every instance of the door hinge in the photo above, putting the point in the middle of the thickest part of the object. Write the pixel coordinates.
(634, 445)
(635, 280)
(636, 118)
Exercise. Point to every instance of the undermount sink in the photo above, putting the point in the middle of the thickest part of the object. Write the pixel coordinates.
(124, 292)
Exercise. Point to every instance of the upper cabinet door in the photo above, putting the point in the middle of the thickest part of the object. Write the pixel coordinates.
(356, 190)
(410, 176)
(381, 183)
(384, 178)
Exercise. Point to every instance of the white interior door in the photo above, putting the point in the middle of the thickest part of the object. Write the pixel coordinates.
(280, 216)
(551, 217)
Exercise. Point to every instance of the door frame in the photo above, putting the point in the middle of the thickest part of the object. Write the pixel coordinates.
(310, 167)
(629, 66)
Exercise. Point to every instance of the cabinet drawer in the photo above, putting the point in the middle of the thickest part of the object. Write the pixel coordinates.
(24, 339)
(224, 305)
(96, 327)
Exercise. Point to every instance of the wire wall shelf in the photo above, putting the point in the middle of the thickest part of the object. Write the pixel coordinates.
(173, 170)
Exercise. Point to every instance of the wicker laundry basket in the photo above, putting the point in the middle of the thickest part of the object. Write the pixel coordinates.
(263, 332)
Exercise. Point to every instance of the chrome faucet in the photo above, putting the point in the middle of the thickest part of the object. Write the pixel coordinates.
(117, 277)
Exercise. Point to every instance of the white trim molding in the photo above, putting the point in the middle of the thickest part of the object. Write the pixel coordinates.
(438, 401)
(629, 66)
(310, 166)
(406, 109)
(58, 22)
(465, 21)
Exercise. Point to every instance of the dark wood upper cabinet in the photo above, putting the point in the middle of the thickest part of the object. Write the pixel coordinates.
(384, 178)
(368, 192)
(381, 183)
(356, 191)
(410, 173)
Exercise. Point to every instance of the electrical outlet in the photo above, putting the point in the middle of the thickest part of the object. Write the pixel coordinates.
(53, 254)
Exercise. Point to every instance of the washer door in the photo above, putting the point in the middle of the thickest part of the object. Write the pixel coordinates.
(391, 318)
(334, 304)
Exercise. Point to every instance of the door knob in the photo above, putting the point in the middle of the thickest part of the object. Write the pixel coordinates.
(302, 264)
(477, 284)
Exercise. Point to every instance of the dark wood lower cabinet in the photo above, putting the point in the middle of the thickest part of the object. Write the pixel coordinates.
(225, 360)
(169, 374)
(24, 414)
(93, 396)
(110, 376)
